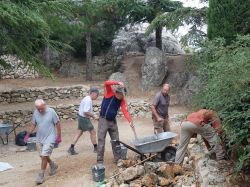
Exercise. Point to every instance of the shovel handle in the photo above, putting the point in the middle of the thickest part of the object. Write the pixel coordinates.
(133, 129)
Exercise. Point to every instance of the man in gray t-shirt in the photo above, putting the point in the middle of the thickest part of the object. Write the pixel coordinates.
(48, 134)
(160, 110)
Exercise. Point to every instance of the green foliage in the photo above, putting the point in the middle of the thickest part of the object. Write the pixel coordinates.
(102, 18)
(28, 26)
(225, 72)
(228, 18)
(179, 17)
(24, 29)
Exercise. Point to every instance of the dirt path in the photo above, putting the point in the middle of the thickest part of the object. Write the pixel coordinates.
(73, 170)
(8, 84)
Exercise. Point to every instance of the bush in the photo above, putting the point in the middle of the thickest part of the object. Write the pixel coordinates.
(225, 73)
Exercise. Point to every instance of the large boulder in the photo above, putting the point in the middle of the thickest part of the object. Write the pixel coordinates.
(73, 69)
(154, 68)
(120, 77)
(132, 41)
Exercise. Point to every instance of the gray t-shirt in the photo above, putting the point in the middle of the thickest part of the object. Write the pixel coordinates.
(45, 122)
(162, 103)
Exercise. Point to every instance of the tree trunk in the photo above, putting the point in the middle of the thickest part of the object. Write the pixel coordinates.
(89, 67)
(158, 37)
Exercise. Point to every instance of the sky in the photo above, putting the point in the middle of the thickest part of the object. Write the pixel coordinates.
(190, 3)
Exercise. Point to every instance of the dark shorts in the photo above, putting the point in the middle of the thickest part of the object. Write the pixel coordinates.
(84, 124)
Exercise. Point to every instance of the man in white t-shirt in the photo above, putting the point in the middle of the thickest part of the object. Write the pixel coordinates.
(84, 123)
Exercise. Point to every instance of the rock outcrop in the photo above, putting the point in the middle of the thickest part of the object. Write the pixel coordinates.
(120, 77)
(133, 42)
(154, 69)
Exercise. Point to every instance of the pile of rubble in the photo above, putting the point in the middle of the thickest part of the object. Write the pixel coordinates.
(133, 173)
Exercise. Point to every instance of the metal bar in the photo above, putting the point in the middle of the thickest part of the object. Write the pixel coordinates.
(3, 140)
(129, 147)
(14, 129)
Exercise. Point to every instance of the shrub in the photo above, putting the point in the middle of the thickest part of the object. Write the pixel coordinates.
(225, 73)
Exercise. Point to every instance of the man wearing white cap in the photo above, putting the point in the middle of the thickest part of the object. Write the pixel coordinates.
(84, 123)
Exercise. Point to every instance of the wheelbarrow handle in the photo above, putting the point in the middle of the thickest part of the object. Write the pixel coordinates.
(13, 129)
(129, 147)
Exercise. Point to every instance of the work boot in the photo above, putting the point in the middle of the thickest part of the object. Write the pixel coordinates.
(95, 150)
(72, 151)
(40, 178)
(53, 168)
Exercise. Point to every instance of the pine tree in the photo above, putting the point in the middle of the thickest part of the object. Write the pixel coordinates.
(227, 18)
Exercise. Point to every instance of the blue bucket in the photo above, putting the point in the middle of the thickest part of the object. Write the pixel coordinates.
(98, 172)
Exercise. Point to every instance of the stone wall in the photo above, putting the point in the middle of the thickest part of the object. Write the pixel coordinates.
(208, 171)
(46, 93)
(69, 112)
(15, 71)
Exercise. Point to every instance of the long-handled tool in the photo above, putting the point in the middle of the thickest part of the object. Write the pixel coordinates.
(132, 127)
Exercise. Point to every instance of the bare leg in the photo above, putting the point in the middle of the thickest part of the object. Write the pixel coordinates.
(49, 160)
(44, 163)
(76, 138)
(93, 136)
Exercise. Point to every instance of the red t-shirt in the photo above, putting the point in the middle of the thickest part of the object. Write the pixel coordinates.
(205, 116)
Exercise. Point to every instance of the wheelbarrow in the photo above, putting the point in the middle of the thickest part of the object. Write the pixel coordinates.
(159, 143)
(5, 130)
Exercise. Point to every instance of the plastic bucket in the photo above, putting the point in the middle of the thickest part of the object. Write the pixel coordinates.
(98, 172)
(31, 144)
(124, 151)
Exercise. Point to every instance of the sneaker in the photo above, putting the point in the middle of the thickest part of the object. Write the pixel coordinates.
(72, 151)
(40, 178)
(53, 168)
(95, 150)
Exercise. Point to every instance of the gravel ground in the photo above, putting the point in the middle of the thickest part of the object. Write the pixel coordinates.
(73, 170)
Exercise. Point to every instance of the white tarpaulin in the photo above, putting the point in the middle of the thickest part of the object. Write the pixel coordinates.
(5, 166)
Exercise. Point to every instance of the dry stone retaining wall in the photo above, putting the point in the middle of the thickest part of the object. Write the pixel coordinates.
(46, 93)
(69, 112)
(16, 69)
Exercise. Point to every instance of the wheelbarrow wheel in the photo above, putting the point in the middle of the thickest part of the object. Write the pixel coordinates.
(168, 155)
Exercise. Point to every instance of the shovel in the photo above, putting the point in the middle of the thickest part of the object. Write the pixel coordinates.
(133, 128)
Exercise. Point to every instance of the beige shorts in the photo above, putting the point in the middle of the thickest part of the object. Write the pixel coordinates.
(162, 126)
(45, 149)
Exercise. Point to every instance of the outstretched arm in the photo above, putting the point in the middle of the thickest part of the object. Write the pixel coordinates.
(32, 128)
(125, 111)
(109, 91)
(216, 122)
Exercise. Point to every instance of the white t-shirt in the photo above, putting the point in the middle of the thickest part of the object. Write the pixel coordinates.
(85, 106)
